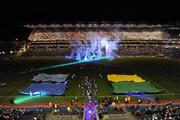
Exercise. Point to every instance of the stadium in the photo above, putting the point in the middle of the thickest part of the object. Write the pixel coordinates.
(92, 71)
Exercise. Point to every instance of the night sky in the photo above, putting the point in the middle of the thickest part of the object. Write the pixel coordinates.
(47, 12)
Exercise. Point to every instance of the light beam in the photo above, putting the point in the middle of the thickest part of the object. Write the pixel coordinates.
(23, 99)
(65, 64)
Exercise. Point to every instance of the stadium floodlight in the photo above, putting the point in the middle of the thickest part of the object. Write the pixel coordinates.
(66, 64)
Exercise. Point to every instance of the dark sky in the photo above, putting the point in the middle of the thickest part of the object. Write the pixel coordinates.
(12, 15)
(49, 11)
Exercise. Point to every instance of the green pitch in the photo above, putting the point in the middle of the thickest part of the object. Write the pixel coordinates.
(164, 74)
(134, 87)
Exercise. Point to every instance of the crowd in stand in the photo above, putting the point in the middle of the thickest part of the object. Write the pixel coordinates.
(21, 114)
(146, 51)
(72, 35)
(124, 50)
(111, 112)
(151, 112)
(48, 34)
(46, 52)
(88, 31)
(154, 112)
(95, 24)
(57, 42)
(109, 109)
(39, 113)
(10, 114)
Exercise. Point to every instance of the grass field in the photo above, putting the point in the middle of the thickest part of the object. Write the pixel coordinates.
(162, 73)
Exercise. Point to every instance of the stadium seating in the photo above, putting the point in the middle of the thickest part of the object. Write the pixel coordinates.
(134, 40)
(156, 112)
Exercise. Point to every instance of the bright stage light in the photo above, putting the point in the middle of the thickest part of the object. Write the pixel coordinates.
(96, 48)
(89, 111)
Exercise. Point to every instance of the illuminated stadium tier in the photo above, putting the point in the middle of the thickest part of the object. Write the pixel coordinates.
(132, 40)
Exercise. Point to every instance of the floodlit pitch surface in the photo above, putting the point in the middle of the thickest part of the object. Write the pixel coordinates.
(162, 73)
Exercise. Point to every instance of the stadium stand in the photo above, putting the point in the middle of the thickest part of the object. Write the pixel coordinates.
(155, 112)
(23, 113)
(35, 113)
(133, 40)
